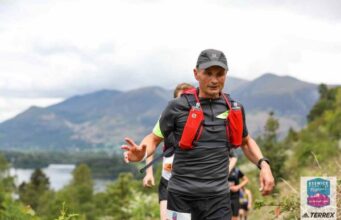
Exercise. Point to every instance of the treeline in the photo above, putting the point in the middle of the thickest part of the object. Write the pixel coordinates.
(123, 199)
(313, 151)
(104, 165)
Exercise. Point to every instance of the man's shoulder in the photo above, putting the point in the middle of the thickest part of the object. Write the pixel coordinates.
(180, 102)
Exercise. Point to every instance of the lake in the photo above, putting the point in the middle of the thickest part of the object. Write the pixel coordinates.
(58, 174)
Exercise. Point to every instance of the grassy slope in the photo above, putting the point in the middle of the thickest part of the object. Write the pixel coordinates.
(316, 152)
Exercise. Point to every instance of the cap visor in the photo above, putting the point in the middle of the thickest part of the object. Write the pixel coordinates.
(212, 63)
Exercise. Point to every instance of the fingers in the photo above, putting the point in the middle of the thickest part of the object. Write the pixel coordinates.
(130, 141)
(145, 183)
(268, 187)
(126, 153)
(266, 180)
(125, 147)
(233, 189)
(135, 153)
(148, 183)
(126, 156)
(148, 180)
(261, 184)
(264, 188)
(143, 147)
(266, 191)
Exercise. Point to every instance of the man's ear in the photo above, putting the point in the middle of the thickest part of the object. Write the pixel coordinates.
(195, 71)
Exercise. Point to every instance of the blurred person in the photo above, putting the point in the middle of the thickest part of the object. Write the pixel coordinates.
(167, 162)
(235, 185)
(245, 203)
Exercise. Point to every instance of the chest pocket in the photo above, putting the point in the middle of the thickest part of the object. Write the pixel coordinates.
(215, 126)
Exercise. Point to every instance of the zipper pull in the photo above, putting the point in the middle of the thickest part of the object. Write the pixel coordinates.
(197, 105)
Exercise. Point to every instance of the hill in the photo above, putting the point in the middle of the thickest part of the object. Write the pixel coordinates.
(102, 119)
(289, 98)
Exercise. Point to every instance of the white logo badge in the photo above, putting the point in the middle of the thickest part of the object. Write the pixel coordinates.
(318, 198)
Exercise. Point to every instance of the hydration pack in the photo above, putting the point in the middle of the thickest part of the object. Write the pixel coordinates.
(195, 122)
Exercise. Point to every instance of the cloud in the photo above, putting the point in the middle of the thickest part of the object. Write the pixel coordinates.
(57, 49)
(329, 10)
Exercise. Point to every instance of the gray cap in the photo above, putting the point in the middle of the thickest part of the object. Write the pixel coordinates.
(211, 57)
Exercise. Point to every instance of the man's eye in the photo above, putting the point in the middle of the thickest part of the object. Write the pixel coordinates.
(221, 74)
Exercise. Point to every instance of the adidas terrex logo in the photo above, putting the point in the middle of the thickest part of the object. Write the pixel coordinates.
(319, 215)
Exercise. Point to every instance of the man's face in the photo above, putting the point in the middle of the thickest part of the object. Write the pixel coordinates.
(211, 81)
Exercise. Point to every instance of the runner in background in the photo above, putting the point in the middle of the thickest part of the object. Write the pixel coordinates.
(245, 203)
(235, 185)
(148, 180)
(233, 160)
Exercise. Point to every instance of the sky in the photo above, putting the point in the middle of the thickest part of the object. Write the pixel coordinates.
(52, 50)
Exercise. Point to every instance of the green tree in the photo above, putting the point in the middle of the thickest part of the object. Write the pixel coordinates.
(326, 102)
(6, 181)
(272, 148)
(30, 193)
(323, 91)
(143, 206)
(14, 210)
(118, 195)
(82, 182)
(10, 209)
(49, 206)
(270, 129)
(77, 197)
(319, 141)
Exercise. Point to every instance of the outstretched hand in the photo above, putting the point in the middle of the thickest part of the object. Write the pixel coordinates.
(133, 152)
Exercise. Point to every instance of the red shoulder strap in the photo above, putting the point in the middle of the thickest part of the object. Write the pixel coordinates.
(227, 101)
(228, 135)
(192, 91)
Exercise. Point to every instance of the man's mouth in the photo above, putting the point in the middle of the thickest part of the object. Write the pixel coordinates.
(213, 87)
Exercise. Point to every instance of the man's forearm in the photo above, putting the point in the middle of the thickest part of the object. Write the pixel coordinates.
(251, 150)
(148, 160)
(151, 141)
(244, 182)
(232, 163)
(254, 154)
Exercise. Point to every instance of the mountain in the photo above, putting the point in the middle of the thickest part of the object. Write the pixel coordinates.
(289, 98)
(93, 120)
(264, 93)
(104, 118)
(233, 83)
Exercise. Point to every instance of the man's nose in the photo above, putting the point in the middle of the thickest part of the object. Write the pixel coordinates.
(214, 79)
